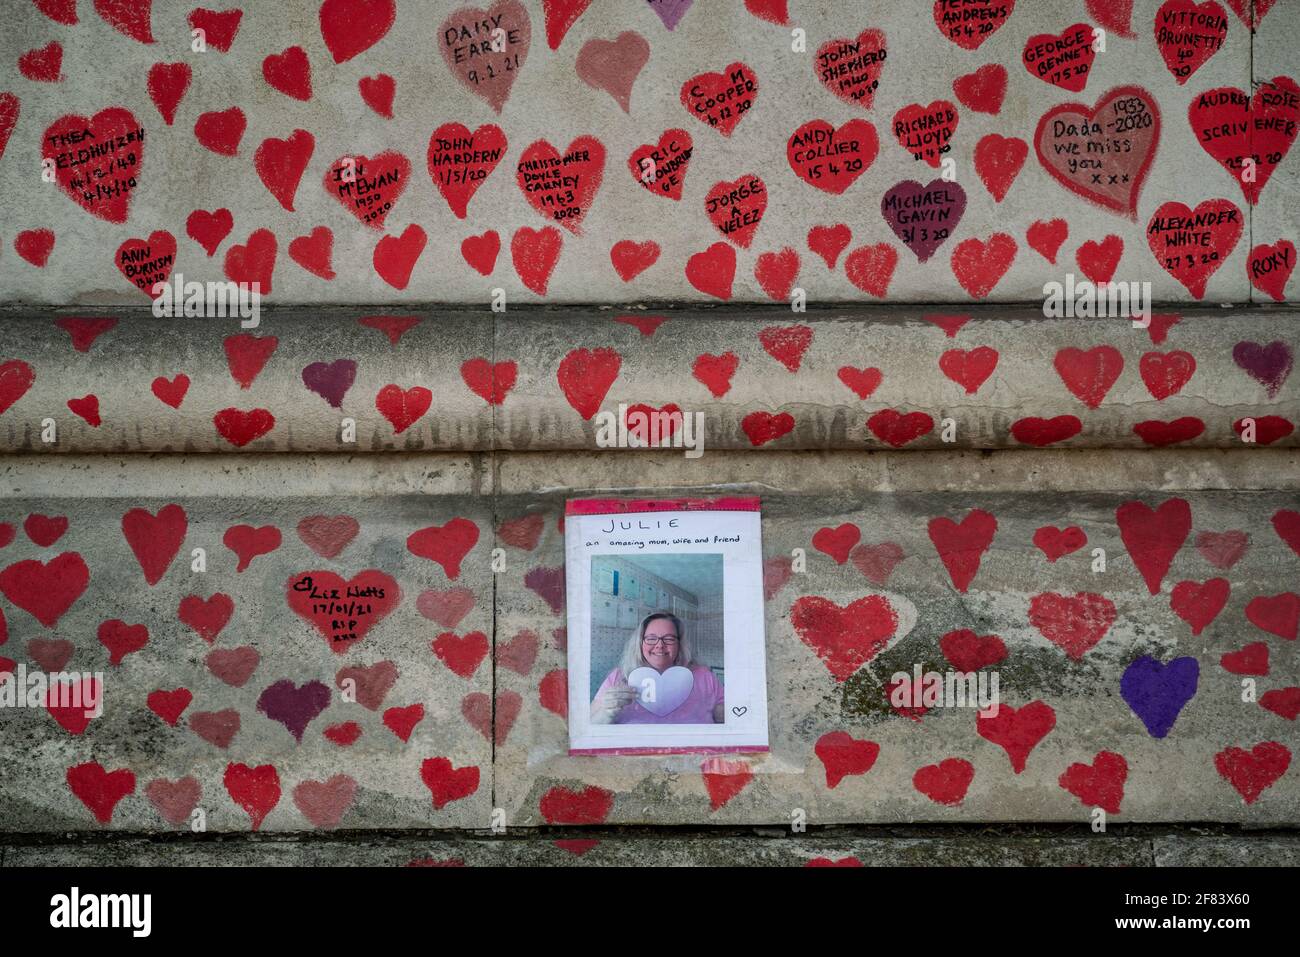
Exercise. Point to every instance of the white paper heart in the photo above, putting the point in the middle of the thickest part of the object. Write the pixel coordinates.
(662, 694)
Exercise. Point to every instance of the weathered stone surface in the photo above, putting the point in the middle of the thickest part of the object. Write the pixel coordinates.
(265, 686)
(103, 68)
(1121, 847)
(1242, 851)
(890, 497)
(748, 378)
(603, 848)
(1170, 778)
(194, 385)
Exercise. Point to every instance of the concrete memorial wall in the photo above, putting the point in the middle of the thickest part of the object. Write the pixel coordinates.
(837, 273)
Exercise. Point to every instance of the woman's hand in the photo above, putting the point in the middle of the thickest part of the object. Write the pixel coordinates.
(610, 702)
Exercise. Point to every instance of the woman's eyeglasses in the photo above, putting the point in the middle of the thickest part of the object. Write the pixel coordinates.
(667, 641)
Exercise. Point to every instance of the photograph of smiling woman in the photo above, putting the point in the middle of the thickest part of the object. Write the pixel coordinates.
(660, 642)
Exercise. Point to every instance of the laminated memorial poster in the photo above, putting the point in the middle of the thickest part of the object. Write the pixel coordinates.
(666, 641)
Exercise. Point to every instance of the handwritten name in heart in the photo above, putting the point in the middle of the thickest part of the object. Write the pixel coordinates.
(1237, 130)
(926, 131)
(968, 23)
(1188, 34)
(1064, 60)
(662, 169)
(459, 161)
(721, 99)
(343, 611)
(923, 217)
(1102, 153)
(851, 68)
(486, 49)
(1191, 245)
(97, 160)
(369, 187)
(736, 208)
(562, 187)
(830, 159)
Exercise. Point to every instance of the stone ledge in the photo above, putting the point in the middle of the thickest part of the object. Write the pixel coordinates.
(958, 847)
(535, 380)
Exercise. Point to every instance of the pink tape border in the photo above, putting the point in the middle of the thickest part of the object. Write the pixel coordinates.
(621, 506)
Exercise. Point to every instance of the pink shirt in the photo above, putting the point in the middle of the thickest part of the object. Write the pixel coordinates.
(696, 709)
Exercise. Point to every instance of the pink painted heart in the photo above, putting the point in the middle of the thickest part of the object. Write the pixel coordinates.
(446, 607)
(486, 68)
(1222, 549)
(328, 535)
(776, 572)
(519, 652)
(324, 803)
(1070, 133)
(218, 728)
(174, 800)
(234, 666)
(492, 720)
(613, 65)
(368, 685)
(877, 562)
